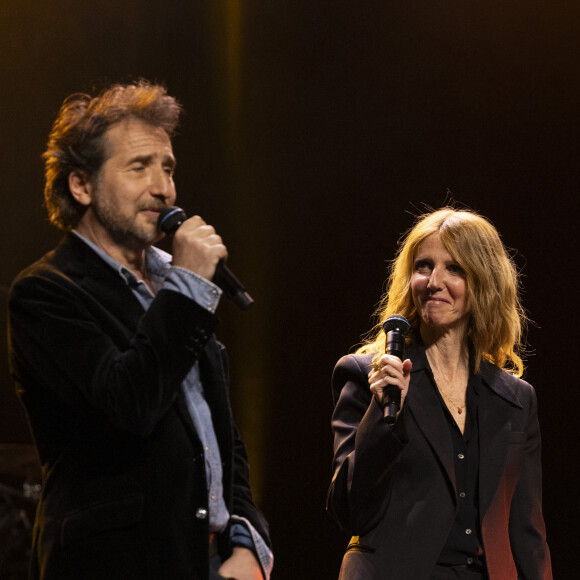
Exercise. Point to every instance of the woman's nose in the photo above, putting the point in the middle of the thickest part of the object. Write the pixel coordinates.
(434, 282)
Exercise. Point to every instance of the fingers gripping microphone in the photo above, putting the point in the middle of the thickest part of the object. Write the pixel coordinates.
(395, 327)
(169, 221)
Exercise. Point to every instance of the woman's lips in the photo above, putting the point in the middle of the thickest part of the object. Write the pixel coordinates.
(432, 300)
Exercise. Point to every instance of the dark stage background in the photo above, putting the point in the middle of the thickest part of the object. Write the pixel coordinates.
(314, 132)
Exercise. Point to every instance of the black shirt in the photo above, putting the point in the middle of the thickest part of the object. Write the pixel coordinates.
(464, 545)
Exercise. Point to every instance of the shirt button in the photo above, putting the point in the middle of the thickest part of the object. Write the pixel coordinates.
(461, 456)
(468, 531)
(201, 513)
(470, 560)
(461, 494)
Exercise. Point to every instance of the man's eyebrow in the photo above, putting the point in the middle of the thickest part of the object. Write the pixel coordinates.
(144, 159)
(148, 159)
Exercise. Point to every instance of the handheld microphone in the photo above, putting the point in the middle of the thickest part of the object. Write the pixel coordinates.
(395, 327)
(169, 221)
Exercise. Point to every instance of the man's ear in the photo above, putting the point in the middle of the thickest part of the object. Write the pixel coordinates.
(80, 187)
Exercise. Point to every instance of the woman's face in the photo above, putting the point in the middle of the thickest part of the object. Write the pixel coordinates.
(439, 286)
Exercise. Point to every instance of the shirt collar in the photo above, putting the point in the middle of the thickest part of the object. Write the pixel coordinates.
(492, 376)
(157, 262)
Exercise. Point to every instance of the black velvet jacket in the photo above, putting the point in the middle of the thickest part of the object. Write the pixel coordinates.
(124, 483)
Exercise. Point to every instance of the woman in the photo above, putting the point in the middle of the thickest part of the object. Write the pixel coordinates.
(452, 489)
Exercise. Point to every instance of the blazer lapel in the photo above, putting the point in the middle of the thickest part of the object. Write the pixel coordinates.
(425, 406)
(78, 261)
(213, 370)
(115, 294)
(494, 411)
(213, 376)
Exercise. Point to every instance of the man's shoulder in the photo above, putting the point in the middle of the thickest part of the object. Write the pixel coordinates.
(47, 264)
(66, 264)
(45, 267)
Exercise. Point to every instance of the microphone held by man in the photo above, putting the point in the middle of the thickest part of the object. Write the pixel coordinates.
(170, 220)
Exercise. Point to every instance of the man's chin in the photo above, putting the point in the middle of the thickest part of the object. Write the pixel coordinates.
(148, 232)
(138, 240)
(157, 238)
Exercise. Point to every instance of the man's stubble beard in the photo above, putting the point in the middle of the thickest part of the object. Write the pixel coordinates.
(123, 231)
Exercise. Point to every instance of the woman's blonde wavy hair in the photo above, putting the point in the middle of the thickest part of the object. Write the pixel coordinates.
(497, 318)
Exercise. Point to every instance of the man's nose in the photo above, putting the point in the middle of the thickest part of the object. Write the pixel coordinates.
(161, 184)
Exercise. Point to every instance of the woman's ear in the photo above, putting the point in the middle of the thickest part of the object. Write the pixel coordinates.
(80, 187)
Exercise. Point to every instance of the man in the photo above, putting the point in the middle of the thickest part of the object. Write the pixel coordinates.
(115, 361)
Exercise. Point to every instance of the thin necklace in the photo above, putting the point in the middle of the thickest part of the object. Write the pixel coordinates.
(452, 401)
(448, 398)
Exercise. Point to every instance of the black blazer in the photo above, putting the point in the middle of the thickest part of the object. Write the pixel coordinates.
(124, 482)
(394, 488)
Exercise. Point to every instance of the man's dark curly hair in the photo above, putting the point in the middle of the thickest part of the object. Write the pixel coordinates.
(76, 140)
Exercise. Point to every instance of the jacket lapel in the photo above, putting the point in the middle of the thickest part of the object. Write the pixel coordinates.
(213, 379)
(92, 274)
(494, 413)
(425, 406)
(213, 376)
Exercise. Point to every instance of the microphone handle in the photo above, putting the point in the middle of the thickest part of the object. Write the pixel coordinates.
(169, 222)
(232, 287)
(395, 345)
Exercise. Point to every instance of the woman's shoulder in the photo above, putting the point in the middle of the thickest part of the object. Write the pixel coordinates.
(503, 383)
(350, 377)
(354, 363)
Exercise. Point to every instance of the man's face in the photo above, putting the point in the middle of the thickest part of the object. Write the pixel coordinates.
(134, 184)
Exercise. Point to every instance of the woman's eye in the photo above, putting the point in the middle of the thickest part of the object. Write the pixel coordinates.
(422, 266)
